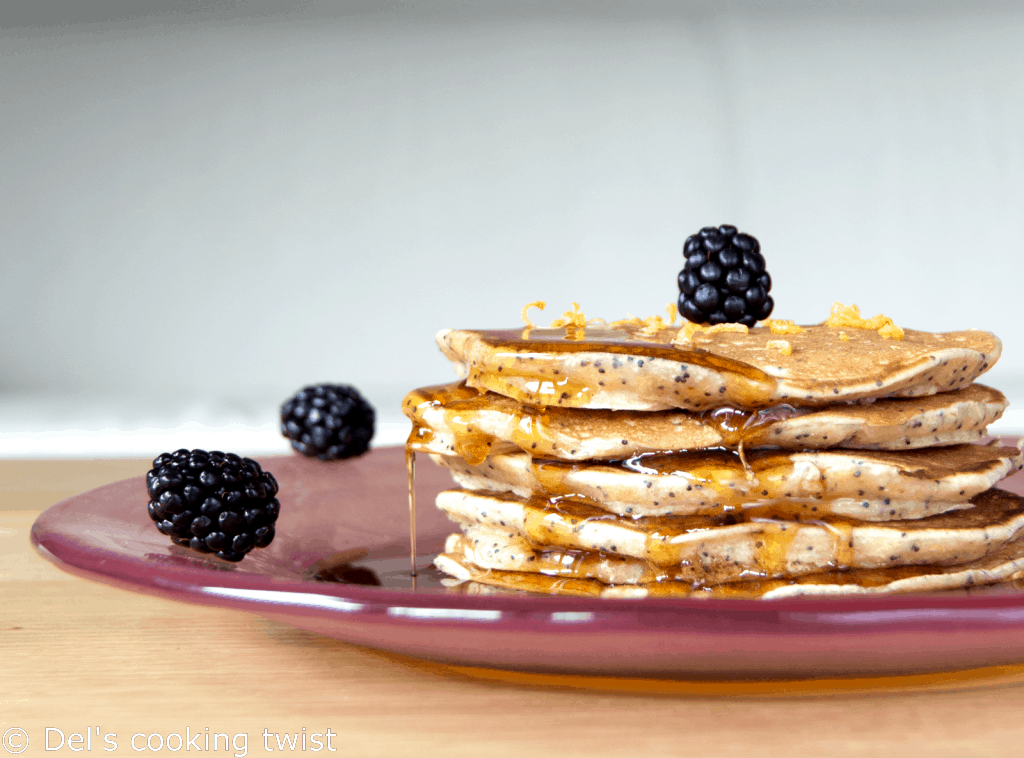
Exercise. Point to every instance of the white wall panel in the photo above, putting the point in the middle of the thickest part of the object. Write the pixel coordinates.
(228, 205)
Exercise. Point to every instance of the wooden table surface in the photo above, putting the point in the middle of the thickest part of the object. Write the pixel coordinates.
(76, 655)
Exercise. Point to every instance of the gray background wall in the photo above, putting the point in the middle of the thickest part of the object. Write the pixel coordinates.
(204, 206)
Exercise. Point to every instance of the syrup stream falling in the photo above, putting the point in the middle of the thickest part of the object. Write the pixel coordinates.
(410, 467)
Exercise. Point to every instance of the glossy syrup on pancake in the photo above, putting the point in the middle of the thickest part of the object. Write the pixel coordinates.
(457, 419)
(516, 351)
(867, 485)
(531, 426)
(717, 549)
(624, 368)
(588, 573)
(554, 525)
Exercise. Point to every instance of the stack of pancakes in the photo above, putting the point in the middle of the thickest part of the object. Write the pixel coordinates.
(631, 461)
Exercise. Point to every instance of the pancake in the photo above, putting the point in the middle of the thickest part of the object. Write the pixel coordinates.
(867, 485)
(627, 368)
(460, 420)
(1003, 565)
(717, 549)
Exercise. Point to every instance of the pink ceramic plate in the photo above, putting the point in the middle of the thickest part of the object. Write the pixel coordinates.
(106, 535)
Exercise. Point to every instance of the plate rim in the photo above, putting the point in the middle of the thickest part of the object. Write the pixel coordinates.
(194, 583)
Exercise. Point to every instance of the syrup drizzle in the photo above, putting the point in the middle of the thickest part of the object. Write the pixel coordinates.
(410, 468)
(667, 542)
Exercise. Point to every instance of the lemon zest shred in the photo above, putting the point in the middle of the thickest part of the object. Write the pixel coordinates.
(630, 320)
(651, 327)
(538, 304)
(574, 321)
(648, 327)
(691, 330)
(574, 317)
(782, 346)
(849, 315)
(891, 332)
(673, 313)
(686, 333)
(782, 326)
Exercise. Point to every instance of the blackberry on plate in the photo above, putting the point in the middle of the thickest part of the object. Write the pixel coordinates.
(213, 502)
(724, 279)
(328, 421)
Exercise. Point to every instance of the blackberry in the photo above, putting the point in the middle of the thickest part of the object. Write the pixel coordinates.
(213, 502)
(724, 280)
(329, 422)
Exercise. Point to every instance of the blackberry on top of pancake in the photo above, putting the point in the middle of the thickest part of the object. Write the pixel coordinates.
(724, 278)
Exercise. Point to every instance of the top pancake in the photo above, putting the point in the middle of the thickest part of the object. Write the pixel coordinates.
(626, 368)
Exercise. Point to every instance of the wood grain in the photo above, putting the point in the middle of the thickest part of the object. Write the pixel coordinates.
(38, 484)
(75, 654)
